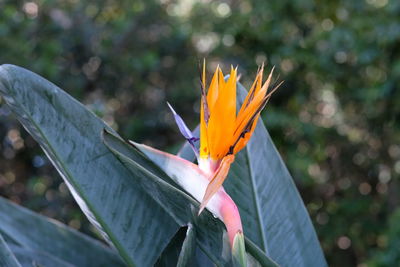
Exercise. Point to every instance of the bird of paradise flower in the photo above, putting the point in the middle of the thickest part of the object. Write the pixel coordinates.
(224, 132)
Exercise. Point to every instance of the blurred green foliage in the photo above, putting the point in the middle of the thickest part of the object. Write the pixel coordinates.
(335, 120)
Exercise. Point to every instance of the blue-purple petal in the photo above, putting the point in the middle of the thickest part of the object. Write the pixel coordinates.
(185, 130)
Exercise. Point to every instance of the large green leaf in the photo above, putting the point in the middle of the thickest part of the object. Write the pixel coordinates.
(32, 236)
(70, 135)
(273, 214)
(7, 258)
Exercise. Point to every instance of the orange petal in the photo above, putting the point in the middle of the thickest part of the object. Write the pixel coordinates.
(217, 180)
(248, 117)
(222, 119)
(243, 141)
(204, 116)
(212, 93)
(248, 108)
(253, 89)
(248, 112)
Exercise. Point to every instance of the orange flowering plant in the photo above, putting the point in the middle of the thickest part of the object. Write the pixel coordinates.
(236, 206)
(223, 133)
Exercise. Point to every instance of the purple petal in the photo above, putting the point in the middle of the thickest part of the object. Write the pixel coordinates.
(185, 130)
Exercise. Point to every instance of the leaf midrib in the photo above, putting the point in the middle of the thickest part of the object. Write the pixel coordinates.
(117, 244)
(256, 202)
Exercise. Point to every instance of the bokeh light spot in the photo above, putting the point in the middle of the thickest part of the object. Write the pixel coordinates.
(364, 188)
(31, 9)
(327, 25)
(344, 242)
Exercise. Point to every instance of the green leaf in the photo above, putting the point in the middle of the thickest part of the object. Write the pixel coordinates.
(70, 135)
(51, 238)
(273, 214)
(7, 258)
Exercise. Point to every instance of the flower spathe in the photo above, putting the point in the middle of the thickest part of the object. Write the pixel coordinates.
(194, 181)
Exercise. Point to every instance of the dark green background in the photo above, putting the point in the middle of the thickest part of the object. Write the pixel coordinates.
(335, 120)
